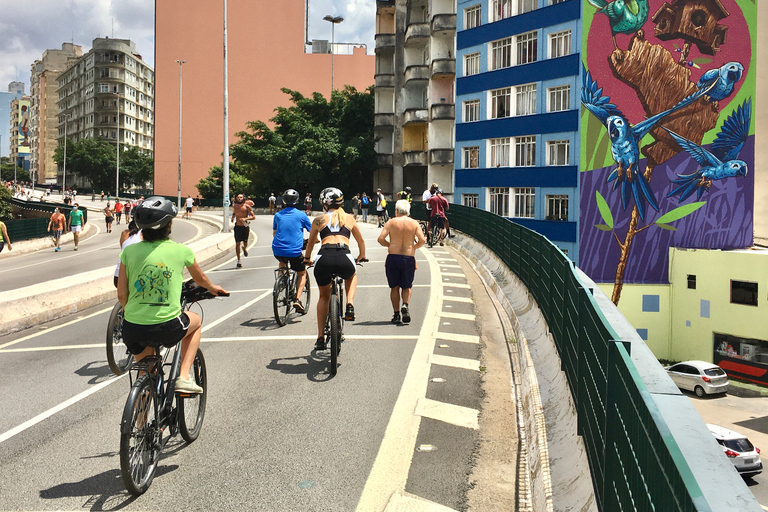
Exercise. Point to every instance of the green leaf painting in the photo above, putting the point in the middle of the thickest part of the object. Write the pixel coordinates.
(605, 211)
(602, 227)
(679, 212)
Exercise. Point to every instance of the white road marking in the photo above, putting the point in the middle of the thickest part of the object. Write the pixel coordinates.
(448, 274)
(468, 300)
(457, 285)
(25, 338)
(307, 337)
(463, 338)
(445, 265)
(448, 413)
(236, 311)
(404, 502)
(455, 362)
(78, 254)
(458, 316)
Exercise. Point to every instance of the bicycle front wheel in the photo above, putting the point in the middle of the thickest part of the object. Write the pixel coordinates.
(281, 299)
(118, 357)
(335, 341)
(306, 294)
(140, 437)
(192, 407)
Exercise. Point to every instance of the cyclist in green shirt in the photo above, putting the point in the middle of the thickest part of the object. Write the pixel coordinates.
(149, 288)
(75, 223)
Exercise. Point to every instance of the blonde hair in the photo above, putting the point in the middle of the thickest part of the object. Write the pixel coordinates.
(339, 216)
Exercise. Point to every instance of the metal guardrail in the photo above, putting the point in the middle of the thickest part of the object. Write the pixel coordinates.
(29, 229)
(636, 463)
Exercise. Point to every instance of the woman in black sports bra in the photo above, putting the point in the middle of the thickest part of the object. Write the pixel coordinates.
(333, 228)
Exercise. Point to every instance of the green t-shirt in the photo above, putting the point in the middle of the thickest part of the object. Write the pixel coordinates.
(76, 217)
(155, 275)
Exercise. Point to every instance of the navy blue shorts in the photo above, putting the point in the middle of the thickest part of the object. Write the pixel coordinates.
(400, 270)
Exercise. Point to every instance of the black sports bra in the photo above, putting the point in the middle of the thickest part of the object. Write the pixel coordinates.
(329, 230)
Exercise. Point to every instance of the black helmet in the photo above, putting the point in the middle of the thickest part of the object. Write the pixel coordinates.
(290, 197)
(332, 196)
(154, 213)
(408, 189)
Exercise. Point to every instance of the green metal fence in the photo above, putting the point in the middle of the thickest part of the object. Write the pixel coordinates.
(635, 462)
(28, 229)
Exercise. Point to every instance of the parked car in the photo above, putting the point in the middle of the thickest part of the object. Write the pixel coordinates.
(699, 376)
(743, 454)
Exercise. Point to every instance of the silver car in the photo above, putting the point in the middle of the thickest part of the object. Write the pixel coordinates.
(743, 454)
(701, 377)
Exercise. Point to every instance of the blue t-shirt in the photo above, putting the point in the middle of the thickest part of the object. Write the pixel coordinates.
(289, 226)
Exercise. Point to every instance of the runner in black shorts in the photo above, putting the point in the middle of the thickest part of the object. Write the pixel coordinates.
(241, 214)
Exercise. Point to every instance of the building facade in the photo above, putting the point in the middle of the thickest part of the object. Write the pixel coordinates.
(517, 123)
(107, 93)
(15, 92)
(43, 94)
(19, 133)
(415, 107)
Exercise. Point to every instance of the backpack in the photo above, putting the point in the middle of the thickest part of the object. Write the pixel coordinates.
(365, 201)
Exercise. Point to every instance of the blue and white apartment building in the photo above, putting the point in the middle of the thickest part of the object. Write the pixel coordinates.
(517, 113)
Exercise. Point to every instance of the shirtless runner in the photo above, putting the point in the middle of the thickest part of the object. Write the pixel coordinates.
(405, 236)
(241, 215)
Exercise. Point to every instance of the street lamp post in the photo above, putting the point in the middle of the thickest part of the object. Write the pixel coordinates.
(180, 83)
(333, 20)
(117, 172)
(225, 163)
(64, 175)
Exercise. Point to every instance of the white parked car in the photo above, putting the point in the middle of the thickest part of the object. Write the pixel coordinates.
(699, 376)
(743, 454)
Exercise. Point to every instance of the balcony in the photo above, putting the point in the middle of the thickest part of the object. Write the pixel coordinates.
(417, 33)
(416, 73)
(443, 111)
(384, 43)
(383, 120)
(385, 5)
(384, 80)
(443, 68)
(415, 158)
(441, 156)
(443, 23)
(383, 160)
(416, 115)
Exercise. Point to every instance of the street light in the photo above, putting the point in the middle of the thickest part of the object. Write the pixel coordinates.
(333, 20)
(64, 175)
(180, 82)
(117, 173)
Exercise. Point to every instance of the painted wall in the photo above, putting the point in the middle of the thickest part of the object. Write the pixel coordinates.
(643, 78)
(266, 52)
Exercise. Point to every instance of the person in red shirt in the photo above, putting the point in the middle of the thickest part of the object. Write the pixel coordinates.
(438, 204)
(118, 210)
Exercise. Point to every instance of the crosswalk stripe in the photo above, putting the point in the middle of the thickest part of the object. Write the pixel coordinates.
(458, 316)
(456, 285)
(448, 413)
(446, 265)
(467, 300)
(464, 338)
(449, 274)
(454, 362)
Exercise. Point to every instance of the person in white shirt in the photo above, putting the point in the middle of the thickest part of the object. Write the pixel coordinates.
(189, 203)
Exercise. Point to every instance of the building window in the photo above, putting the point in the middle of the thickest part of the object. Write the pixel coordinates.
(553, 2)
(471, 111)
(500, 152)
(501, 53)
(526, 48)
(498, 201)
(470, 200)
(501, 9)
(472, 17)
(526, 5)
(691, 282)
(471, 64)
(470, 157)
(557, 152)
(560, 44)
(557, 207)
(525, 96)
(743, 292)
(525, 151)
(501, 100)
(524, 202)
(559, 98)
(103, 87)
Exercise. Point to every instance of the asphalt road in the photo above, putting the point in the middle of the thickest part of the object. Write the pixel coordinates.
(279, 432)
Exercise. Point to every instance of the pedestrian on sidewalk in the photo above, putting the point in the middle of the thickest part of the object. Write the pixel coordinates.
(355, 205)
(118, 210)
(57, 222)
(4, 238)
(405, 236)
(102, 196)
(188, 204)
(242, 214)
(272, 202)
(381, 207)
(108, 217)
(308, 204)
(76, 223)
(365, 201)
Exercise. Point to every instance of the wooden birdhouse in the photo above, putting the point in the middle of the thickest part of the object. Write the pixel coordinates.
(694, 21)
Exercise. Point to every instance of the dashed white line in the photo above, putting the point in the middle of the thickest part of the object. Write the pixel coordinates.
(448, 413)
(458, 316)
(467, 300)
(463, 338)
(455, 362)
(457, 285)
(449, 274)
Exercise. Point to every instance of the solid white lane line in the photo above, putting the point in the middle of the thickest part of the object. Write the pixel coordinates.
(463, 338)
(389, 473)
(46, 331)
(387, 286)
(456, 285)
(58, 347)
(448, 413)
(467, 300)
(458, 316)
(254, 290)
(455, 362)
(306, 337)
(235, 311)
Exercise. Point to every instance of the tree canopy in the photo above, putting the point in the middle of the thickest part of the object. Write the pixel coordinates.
(311, 145)
(6, 170)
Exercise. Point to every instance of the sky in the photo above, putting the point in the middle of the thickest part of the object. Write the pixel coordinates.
(27, 29)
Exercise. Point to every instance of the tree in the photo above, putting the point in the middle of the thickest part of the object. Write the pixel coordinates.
(211, 186)
(136, 168)
(6, 212)
(7, 172)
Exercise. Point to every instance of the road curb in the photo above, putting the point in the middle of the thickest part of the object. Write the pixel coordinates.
(39, 244)
(33, 305)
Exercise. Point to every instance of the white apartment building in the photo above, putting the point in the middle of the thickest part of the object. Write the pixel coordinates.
(415, 113)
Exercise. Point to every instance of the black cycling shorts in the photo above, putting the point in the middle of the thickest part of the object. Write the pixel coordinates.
(333, 260)
(241, 233)
(296, 263)
(437, 221)
(167, 334)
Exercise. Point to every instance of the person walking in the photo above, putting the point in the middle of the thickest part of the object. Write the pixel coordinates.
(75, 223)
(57, 222)
(381, 207)
(308, 204)
(279, 203)
(4, 238)
(127, 210)
(405, 236)
(102, 196)
(118, 210)
(242, 214)
(108, 217)
(365, 201)
(272, 202)
(355, 205)
(189, 203)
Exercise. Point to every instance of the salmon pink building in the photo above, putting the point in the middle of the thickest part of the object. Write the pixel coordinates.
(266, 51)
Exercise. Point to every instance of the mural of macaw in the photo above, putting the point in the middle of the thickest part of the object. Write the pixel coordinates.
(625, 16)
(721, 162)
(625, 140)
(719, 83)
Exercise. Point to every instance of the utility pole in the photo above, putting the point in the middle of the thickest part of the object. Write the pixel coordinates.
(181, 62)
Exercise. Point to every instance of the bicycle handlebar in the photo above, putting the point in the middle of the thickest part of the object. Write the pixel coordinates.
(193, 292)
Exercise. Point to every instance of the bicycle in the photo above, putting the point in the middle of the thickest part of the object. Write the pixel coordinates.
(118, 356)
(284, 294)
(427, 233)
(149, 411)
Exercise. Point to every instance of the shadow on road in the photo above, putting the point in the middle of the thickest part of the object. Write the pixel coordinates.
(99, 370)
(314, 366)
(264, 324)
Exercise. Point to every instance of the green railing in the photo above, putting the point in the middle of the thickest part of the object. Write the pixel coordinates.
(29, 229)
(635, 462)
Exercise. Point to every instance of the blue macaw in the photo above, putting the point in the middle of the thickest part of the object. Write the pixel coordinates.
(719, 83)
(722, 161)
(625, 140)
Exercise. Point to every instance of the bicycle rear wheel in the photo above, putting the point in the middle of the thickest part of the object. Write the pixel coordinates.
(335, 341)
(118, 357)
(192, 407)
(435, 234)
(140, 437)
(281, 299)
(306, 294)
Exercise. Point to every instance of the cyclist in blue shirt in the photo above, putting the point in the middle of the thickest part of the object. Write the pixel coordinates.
(288, 227)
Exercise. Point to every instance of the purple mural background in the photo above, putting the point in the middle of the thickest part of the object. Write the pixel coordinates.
(725, 222)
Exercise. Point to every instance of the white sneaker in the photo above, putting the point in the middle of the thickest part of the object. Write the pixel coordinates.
(187, 386)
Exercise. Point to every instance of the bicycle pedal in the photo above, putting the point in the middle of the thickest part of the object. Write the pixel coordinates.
(184, 395)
